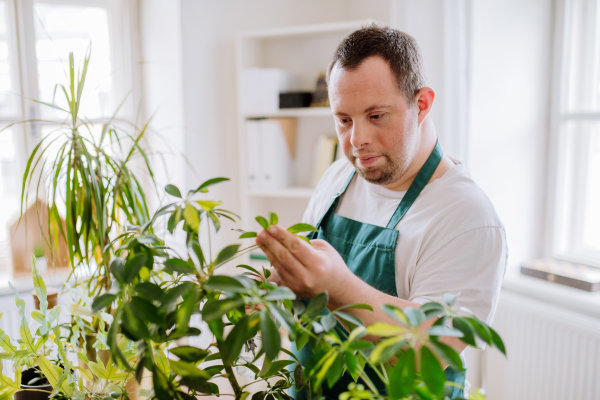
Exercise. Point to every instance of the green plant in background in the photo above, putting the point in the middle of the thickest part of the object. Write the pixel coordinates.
(160, 290)
(88, 173)
(47, 348)
(38, 251)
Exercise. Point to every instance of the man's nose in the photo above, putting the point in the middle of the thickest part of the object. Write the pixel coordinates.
(361, 136)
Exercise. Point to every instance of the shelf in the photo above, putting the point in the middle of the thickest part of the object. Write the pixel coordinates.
(294, 112)
(317, 29)
(296, 193)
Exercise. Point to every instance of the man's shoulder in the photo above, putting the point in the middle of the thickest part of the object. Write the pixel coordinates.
(460, 201)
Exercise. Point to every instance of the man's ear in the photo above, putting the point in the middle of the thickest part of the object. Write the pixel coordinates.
(424, 101)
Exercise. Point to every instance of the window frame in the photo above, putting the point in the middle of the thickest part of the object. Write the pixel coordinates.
(557, 219)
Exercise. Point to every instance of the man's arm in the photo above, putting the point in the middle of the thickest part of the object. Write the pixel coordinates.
(310, 270)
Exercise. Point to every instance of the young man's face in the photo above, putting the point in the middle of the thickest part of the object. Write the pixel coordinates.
(377, 129)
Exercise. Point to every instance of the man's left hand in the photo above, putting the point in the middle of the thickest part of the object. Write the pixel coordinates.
(307, 270)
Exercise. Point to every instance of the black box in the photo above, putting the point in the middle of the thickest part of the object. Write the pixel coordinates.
(295, 99)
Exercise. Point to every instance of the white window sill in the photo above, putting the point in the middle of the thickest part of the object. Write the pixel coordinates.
(582, 302)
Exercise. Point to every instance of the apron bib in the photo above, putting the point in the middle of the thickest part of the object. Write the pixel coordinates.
(369, 251)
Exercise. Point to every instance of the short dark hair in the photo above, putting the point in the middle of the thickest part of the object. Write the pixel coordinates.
(397, 48)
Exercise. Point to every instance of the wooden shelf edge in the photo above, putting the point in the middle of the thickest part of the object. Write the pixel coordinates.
(298, 193)
(293, 112)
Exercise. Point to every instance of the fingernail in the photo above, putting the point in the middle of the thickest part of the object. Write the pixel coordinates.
(272, 230)
(262, 235)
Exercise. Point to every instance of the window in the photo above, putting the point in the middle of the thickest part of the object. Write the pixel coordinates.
(36, 37)
(576, 139)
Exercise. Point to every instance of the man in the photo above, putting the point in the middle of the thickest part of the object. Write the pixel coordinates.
(399, 222)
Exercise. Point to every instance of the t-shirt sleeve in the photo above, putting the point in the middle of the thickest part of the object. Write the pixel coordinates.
(472, 263)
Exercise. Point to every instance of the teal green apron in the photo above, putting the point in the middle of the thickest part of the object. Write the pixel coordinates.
(369, 252)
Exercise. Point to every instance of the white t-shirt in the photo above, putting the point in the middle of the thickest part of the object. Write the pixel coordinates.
(451, 239)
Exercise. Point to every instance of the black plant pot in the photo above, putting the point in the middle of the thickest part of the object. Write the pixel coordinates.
(34, 392)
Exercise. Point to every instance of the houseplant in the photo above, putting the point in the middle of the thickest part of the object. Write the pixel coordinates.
(87, 169)
(44, 353)
(154, 311)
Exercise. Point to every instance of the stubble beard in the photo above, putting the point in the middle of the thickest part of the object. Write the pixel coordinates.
(390, 172)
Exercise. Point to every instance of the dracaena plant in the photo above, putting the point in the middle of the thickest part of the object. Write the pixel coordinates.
(48, 348)
(84, 169)
(159, 290)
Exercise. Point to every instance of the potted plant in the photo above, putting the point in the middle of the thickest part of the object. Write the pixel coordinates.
(41, 365)
(159, 290)
(87, 168)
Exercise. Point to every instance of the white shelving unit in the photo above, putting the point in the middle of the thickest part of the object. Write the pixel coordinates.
(305, 51)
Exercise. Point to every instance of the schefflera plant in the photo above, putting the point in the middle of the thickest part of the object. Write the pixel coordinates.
(159, 290)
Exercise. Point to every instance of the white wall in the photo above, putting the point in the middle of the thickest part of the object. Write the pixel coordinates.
(509, 115)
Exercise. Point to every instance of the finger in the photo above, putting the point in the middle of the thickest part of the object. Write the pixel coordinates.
(301, 250)
(290, 274)
(284, 259)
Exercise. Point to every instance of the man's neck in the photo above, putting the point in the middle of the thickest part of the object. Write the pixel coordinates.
(428, 142)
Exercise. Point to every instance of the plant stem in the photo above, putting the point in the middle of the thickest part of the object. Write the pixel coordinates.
(234, 383)
(362, 374)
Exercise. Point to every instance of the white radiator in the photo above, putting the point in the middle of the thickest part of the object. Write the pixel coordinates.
(553, 353)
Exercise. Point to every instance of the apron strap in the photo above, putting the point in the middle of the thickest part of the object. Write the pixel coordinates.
(336, 199)
(417, 185)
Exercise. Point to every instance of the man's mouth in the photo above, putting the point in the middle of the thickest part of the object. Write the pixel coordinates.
(367, 160)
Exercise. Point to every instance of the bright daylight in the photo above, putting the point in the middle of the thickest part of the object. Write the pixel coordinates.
(299, 199)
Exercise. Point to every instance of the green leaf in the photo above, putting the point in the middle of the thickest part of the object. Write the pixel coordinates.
(200, 386)
(432, 309)
(224, 283)
(226, 254)
(285, 319)
(208, 205)
(117, 268)
(353, 319)
(149, 290)
(188, 370)
(52, 373)
(263, 222)
(246, 235)
(190, 353)
(449, 355)
(276, 367)
(208, 183)
(102, 301)
(302, 228)
(280, 293)
(497, 341)
(481, 330)
(414, 315)
(147, 311)
(386, 349)
(450, 299)
(198, 251)
(174, 293)
(395, 313)
(432, 372)
(173, 190)
(273, 219)
(186, 309)
(133, 266)
(466, 328)
(133, 327)
(231, 348)
(329, 322)
(215, 309)
(179, 265)
(317, 304)
(384, 330)
(191, 217)
(440, 330)
(40, 286)
(174, 219)
(270, 336)
(335, 371)
(402, 376)
(301, 340)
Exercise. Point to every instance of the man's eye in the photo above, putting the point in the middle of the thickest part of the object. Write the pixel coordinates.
(344, 121)
(377, 116)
